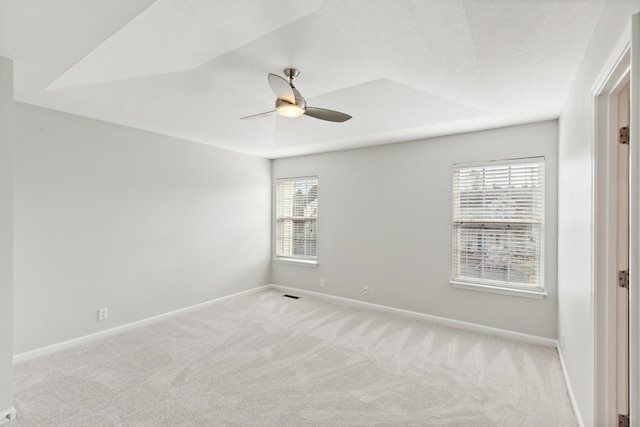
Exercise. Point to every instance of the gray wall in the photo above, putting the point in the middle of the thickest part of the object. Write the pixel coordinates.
(6, 232)
(143, 224)
(384, 221)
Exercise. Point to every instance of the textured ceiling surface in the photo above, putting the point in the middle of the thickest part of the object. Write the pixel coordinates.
(404, 69)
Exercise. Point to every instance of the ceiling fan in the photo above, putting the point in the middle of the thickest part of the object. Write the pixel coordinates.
(290, 102)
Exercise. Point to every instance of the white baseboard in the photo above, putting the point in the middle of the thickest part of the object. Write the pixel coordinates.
(129, 326)
(572, 397)
(487, 330)
(532, 339)
(7, 415)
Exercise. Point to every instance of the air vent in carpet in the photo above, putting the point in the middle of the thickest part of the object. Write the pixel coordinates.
(290, 296)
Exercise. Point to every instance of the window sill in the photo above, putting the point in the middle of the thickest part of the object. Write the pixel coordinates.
(498, 290)
(295, 261)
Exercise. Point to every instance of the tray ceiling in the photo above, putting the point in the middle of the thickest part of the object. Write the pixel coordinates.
(403, 69)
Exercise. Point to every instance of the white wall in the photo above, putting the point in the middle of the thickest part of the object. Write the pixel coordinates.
(384, 221)
(6, 232)
(143, 224)
(575, 212)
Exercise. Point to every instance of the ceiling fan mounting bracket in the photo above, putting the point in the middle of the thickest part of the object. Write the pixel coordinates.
(291, 73)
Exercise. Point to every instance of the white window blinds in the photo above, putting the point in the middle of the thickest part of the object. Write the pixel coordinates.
(498, 223)
(297, 218)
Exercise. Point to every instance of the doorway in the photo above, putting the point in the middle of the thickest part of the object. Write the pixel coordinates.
(613, 270)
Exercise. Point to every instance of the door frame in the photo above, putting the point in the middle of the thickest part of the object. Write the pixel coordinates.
(617, 72)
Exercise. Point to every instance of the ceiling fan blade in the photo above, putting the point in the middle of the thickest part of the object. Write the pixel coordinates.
(328, 115)
(281, 88)
(257, 116)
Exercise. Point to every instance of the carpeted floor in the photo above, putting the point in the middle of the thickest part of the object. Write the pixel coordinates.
(266, 360)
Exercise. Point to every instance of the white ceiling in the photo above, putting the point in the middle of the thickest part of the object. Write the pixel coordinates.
(404, 69)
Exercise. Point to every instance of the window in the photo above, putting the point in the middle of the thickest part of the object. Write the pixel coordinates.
(498, 225)
(297, 219)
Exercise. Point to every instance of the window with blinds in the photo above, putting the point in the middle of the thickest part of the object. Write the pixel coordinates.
(498, 224)
(297, 219)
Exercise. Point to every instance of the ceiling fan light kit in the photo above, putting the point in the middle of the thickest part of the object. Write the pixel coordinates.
(290, 102)
(288, 110)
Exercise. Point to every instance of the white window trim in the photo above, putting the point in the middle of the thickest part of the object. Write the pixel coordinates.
(516, 292)
(298, 261)
(483, 285)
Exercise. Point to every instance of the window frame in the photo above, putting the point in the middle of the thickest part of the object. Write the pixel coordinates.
(499, 226)
(279, 256)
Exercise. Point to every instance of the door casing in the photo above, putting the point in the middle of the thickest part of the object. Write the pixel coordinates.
(612, 394)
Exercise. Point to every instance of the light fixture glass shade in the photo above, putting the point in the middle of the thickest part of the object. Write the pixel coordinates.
(290, 110)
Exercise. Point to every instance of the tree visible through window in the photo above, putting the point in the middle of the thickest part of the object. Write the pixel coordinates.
(297, 218)
(498, 224)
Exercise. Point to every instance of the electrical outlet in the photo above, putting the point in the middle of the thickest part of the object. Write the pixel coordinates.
(102, 314)
(365, 289)
(321, 282)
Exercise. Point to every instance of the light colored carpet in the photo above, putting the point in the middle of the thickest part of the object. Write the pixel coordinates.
(263, 359)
